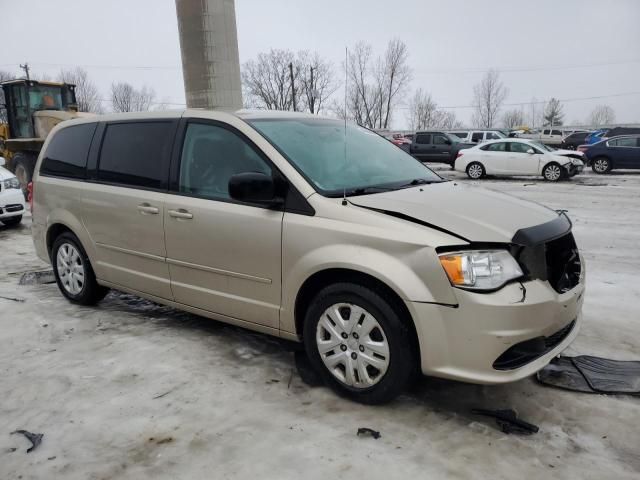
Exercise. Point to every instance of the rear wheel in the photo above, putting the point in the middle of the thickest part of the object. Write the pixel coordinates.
(23, 165)
(552, 172)
(358, 341)
(74, 274)
(475, 170)
(601, 165)
(11, 221)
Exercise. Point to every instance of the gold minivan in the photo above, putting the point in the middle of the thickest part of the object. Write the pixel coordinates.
(315, 231)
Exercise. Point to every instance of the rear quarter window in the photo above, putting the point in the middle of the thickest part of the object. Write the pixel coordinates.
(136, 154)
(67, 151)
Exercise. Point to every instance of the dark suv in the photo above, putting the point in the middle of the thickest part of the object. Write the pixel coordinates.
(436, 146)
(616, 152)
(573, 141)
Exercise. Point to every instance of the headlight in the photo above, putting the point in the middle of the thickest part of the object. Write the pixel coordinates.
(480, 269)
(11, 183)
(576, 161)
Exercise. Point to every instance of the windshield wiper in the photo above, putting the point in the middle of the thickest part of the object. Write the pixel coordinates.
(419, 181)
(365, 190)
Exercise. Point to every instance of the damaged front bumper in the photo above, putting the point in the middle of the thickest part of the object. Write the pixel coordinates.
(497, 337)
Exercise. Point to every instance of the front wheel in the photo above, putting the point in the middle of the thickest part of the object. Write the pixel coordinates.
(601, 165)
(552, 172)
(475, 170)
(73, 272)
(359, 342)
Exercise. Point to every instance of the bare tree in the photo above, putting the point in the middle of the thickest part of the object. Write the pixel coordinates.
(513, 118)
(87, 94)
(423, 113)
(601, 115)
(488, 96)
(125, 98)
(553, 114)
(267, 80)
(375, 86)
(317, 81)
(4, 76)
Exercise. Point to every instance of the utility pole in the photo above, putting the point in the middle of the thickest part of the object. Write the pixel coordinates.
(25, 67)
(312, 100)
(293, 86)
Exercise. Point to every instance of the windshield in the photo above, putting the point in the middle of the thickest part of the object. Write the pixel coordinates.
(45, 97)
(542, 147)
(316, 147)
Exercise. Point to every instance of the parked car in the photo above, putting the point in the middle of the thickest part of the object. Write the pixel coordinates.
(378, 265)
(513, 156)
(399, 140)
(595, 136)
(436, 146)
(12, 205)
(616, 152)
(548, 136)
(574, 140)
(477, 136)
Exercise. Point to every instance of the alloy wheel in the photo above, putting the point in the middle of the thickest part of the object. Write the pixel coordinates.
(475, 171)
(601, 165)
(552, 173)
(70, 268)
(352, 345)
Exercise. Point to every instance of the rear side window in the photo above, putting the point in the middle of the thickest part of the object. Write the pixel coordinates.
(496, 147)
(423, 138)
(136, 154)
(623, 142)
(66, 154)
(477, 136)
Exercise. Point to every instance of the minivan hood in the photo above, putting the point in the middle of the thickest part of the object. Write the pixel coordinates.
(474, 214)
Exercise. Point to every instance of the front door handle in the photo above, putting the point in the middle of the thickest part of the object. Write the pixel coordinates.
(146, 209)
(181, 213)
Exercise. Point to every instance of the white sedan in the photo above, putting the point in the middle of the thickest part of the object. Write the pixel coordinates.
(11, 197)
(516, 156)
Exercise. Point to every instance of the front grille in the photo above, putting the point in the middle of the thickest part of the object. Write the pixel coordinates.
(13, 208)
(524, 352)
(556, 261)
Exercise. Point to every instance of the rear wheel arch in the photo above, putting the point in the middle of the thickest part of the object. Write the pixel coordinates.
(53, 232)
(324, 278)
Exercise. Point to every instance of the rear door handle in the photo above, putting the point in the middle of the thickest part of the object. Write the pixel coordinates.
(181, 213)
(146, 209)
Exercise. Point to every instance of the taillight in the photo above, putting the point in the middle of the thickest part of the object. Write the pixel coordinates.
(30, 195)
(582, 149)
(458, 155)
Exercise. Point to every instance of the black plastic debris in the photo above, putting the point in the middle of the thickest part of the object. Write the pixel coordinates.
(306, 371)
(508, 421)
(592, 375)
(13, 299)
(368, 431)
(34, 438)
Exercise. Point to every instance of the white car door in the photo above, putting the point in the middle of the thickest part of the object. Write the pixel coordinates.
(494, 158)
(521, 161)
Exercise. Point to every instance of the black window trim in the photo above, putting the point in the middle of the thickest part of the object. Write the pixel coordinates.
(82, 177)
(94, 178)
(294, 200)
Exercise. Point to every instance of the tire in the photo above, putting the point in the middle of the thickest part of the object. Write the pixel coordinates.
(12, 221)
(23, 166)
(553, 172)
(76, 281)
(601, 165)
(475, 171)
(381, 327)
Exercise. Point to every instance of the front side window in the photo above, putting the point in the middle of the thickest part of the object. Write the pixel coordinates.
(440, 140)
(518, 147)
(210, 156)
(556, 132)
(493, 136)
(136, 154)
(66, 154)
(476, 137)
(336, 159)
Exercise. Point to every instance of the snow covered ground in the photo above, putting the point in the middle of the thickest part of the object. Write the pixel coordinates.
(132, 390)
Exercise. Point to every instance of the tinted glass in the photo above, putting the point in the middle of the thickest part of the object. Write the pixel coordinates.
(519, 147)
(476, 137)
(556, 132)
(623, 142)
(335, 159)
(492, 136)
(460, 134)
(440, 140)
(423, 138)
(66, 154)
(497, 147)
(210, 156)
(136, 153)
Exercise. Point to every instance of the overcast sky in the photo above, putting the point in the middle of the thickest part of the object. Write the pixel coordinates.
(568, 49)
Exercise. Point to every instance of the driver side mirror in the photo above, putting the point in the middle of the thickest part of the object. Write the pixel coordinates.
(3, 162)
(531, 151)
(254, 187)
